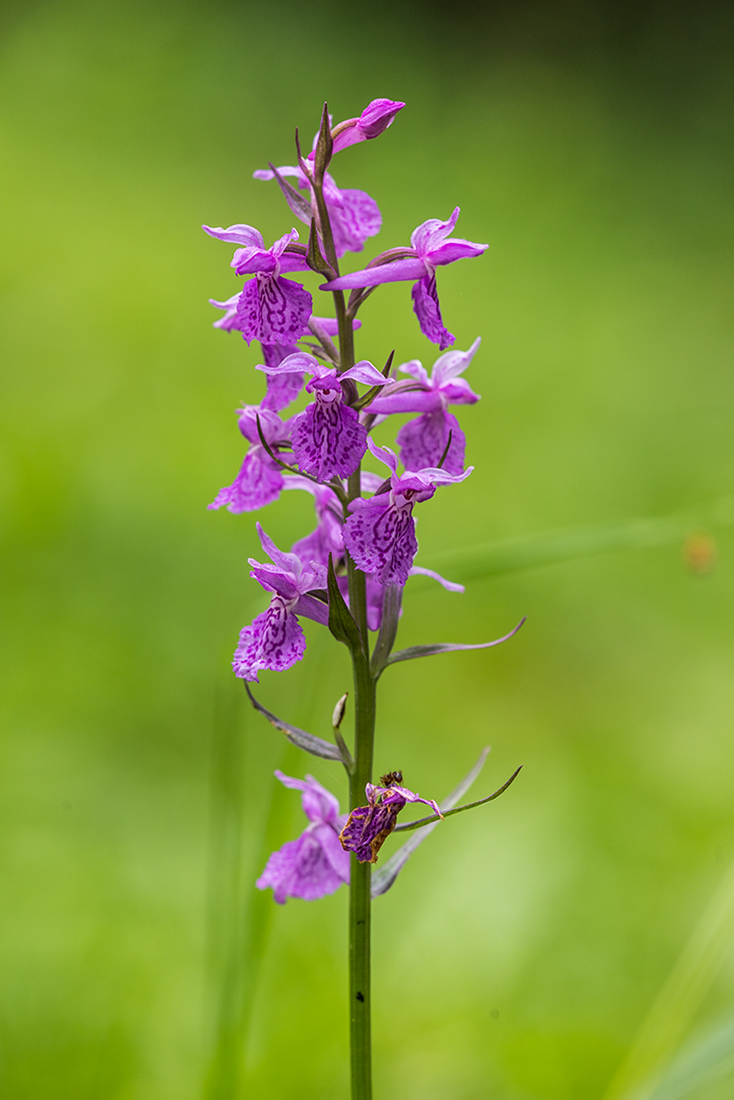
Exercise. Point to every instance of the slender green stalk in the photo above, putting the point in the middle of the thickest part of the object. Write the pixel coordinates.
(360, 896)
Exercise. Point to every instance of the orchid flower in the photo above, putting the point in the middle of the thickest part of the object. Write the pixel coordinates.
(425, 439)
(354, 215)
(260, 480)
(368, 827)
(315, 864)
(327, 437)
(269, 308)
(380, 532)
(431, 247)
(374, 120)
(275, 639)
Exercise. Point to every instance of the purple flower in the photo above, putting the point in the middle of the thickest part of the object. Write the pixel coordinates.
(328, 439)
(327, 537)
(431, 247)
(275, 640)
(315, 864)
(374, 120)
(354, 215)
(269, 308)
(260, 480)
(380, 532)
(424, 440)
(368, 827)
(284, 388)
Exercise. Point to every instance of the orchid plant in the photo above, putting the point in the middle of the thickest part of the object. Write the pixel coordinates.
(348, 574)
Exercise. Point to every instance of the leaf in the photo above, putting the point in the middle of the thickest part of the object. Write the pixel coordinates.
(296, 202)
(315, 745)
(425, 821)
(341, 623)
(506, 555)
(384, 877)
(446, 647)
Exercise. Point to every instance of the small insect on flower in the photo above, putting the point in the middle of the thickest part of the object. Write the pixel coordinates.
(368, 827)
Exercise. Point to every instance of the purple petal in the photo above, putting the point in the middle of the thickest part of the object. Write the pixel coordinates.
(423, 441)
(274, 640)
(453, 363)
(367, 829)
(328, 439)
(373, 121)
(432, 233)
(450, 586)
(353, 221)
(258, 483)
(275, 579)
(381, 539)
(405, 399)
(272, 427)
(330, 325)
(367, 373)
(289, 563)
(301, 869)
(274, 310)
(299, 362)
(428, 312)
(396, 272)
(282, 388)
(455, 249)
(254, 261)
(245, 235)
(319, 805)
(313, 609)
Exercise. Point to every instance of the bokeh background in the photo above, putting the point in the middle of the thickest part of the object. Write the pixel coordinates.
(591, 145)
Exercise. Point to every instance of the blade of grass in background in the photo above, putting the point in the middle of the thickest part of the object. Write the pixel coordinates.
(508, 555)
(679, 999)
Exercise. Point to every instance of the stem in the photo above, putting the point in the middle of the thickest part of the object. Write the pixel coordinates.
(360, 894)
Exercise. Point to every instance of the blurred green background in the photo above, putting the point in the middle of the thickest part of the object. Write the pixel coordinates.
(591, 145)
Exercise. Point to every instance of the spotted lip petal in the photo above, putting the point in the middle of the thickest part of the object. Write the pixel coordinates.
(368, 827)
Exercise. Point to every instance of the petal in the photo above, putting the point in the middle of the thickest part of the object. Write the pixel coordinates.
(450, 586)
(328, 439)
(256, 485)
(355, 219)
(274, 640)
(367, 829)
(328, 838)
(453, 363)
(282, 387)
(405, 400)
(428, 312)
(384, 454)
(430, 234)
(381, 540)
(274, 310)
(331, 326)
(254, 261)
(395, 272)
(284, 170)
(455, 249)
(289, 563)
(299, 362)
(245, 235)
(365, 372)
(300, 869)
(275, 579)
(312, 608)
(318, 803)
(423, 441)
(272, 427)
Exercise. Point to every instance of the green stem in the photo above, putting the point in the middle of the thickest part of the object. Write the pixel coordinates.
(360, 895)
(360, 887)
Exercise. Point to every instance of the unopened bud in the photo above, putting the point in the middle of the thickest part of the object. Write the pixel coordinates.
(338, 715)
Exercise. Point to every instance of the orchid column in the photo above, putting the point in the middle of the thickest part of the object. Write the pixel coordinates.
(349, 573)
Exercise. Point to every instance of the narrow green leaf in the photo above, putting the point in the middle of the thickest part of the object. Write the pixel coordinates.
(384, 876)
(306, 741)
(424, 821)
(341, 623)
(446, 647)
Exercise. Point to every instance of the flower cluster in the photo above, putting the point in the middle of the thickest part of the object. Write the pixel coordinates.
(364, 520)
